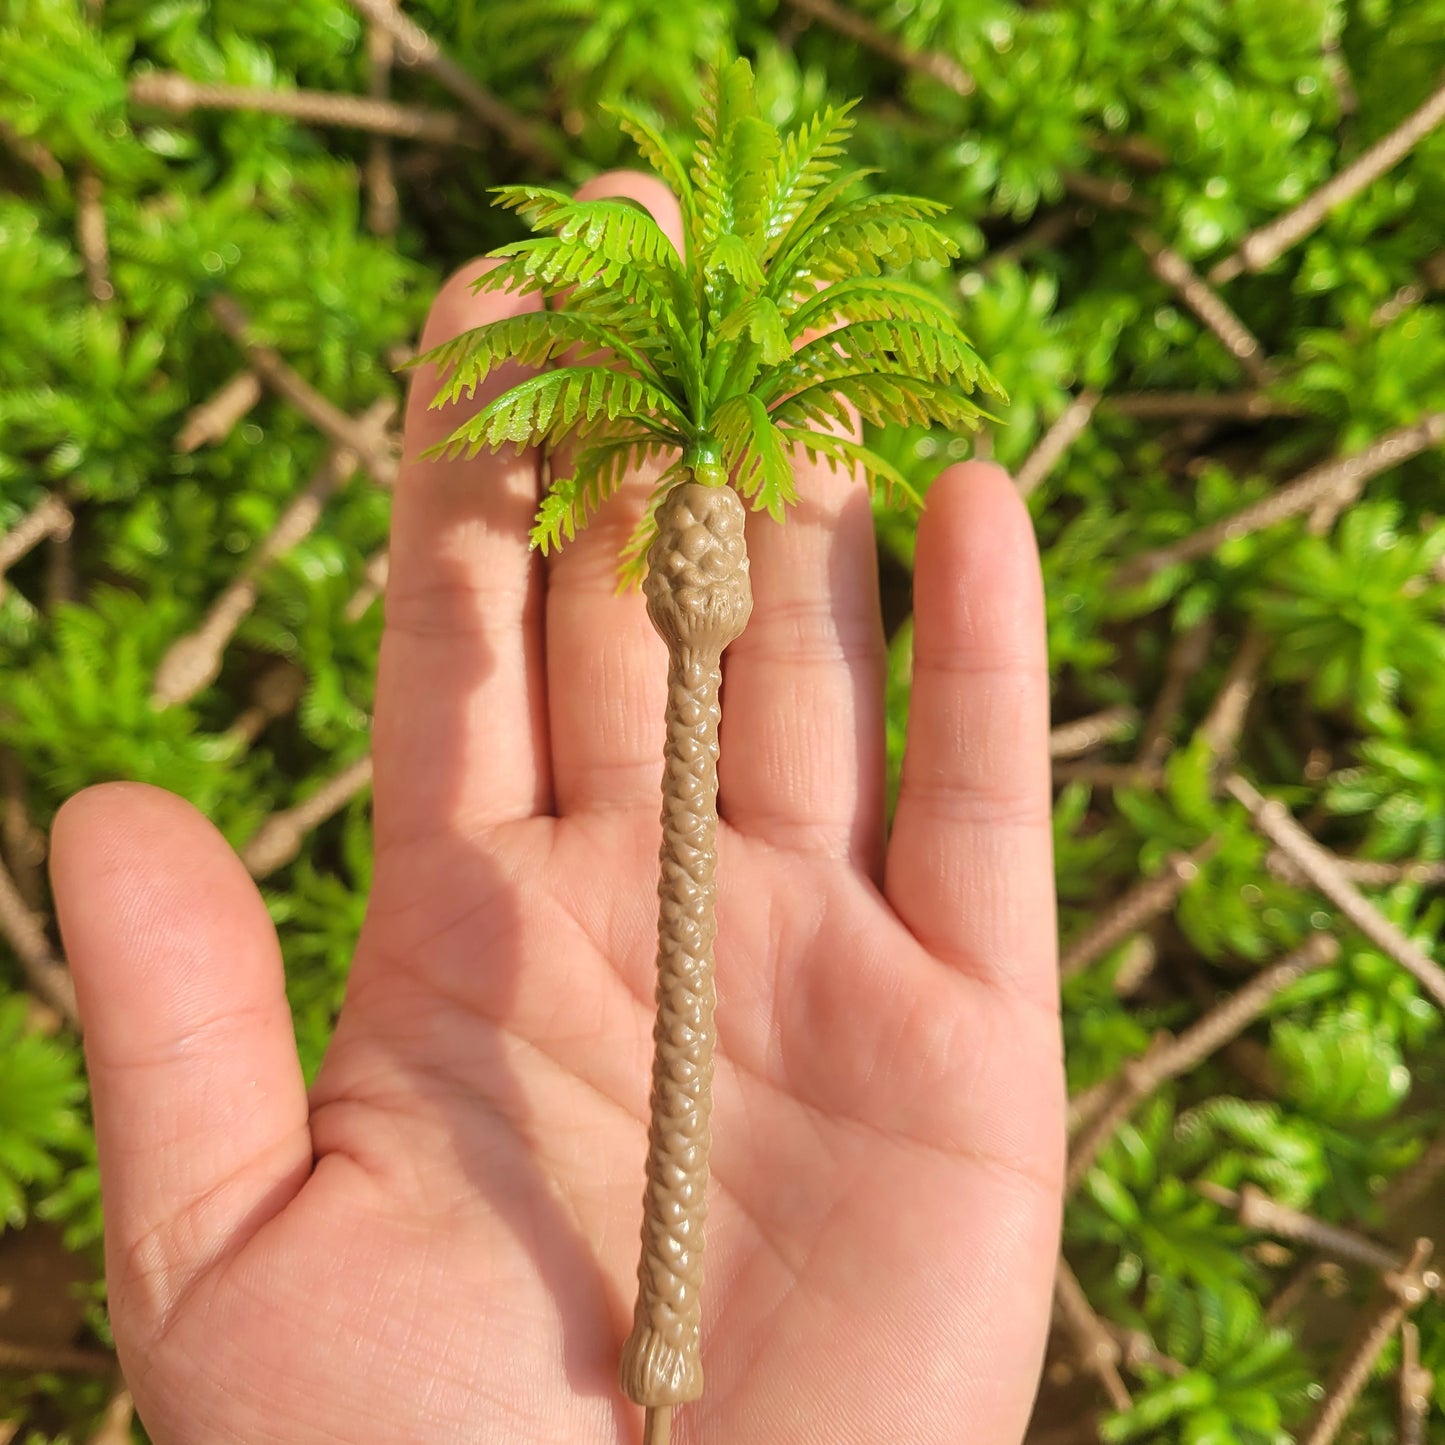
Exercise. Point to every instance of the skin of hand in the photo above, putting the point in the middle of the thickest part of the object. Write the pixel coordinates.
(439, 1243)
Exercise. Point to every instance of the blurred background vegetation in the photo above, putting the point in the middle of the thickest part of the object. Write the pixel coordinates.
(1203, 245)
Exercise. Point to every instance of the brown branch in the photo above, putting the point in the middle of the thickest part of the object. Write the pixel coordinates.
(45, 974)
(1200, 405)
(946, 71)
(1399, 1293)
(90, 235)
(383, 212)
(1106, 775)
(1398, 304)
(1108, 193)
(49, 517)
(114, 1426)
(1208, 305)
(1272, 819)
(380, 462)
(194, 661)
(1224, 722)
(1417, 1385)
(373, 584)
(29, 150)
(47, 1359)
(1187, 656)
(1293, 498)
(1417, 1180)
(179, 94)
(1098, 1348)
(212, 420)
(1169, 1058)
(1141, 905)
(414, 47)
(276, 692)
(1257, 1211)
(1056, 441)
(22, 844)
(1085, 734)
(1262, 247)
(278, 840)
(1364, 871)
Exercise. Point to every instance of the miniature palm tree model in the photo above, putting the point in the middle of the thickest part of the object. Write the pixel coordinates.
(764, 338)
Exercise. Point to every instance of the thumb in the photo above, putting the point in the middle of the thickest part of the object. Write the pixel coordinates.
(200, 1107)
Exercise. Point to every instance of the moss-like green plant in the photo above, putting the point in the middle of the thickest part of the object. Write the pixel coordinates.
(758, 342)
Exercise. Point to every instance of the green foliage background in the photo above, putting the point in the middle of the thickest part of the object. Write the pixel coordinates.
(1201, 119)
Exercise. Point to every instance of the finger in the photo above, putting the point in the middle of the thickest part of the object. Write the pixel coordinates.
(606, 667)
(461, 737)
(200, 1107)
(970, 861)
(802, 763)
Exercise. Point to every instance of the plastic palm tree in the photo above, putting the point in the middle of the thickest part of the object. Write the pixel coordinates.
(761, 340)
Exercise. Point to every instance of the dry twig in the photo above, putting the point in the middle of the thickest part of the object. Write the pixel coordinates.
(379, 460)
(1198, 405)
(180, 95)
(211, 421)
(22, 844)
(382, 208)
(373, 584)
(1262, 247)
(45, 974)
(277, 691)
(945, 71)
(1084, 734)
(278, 840)
(414, 47)
(1293, 498)
(1140, 906)
(1400, 1292)
(1256, 1210)
(1318, 865)
(194, 661)
(1098, 1348)
(1187, 656)
(90, 235)
(53, 1359)
(1169, 1058)
(1224, 722)
(1056, 441)
(49, 517)
(1209, 306)
(1417, 1385)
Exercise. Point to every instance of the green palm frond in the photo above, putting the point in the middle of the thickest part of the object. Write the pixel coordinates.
(900, 400)
(805, 159)
(895, 348)
(571, 399)
(845, 452)
(774, 329)
(646, 134)
(599, 470)
(755, 454)
(869, 298)
(529, 340)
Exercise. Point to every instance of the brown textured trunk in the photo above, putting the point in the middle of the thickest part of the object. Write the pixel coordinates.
(699, 599)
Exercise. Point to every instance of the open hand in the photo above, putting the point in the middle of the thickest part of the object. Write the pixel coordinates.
(439, 1244)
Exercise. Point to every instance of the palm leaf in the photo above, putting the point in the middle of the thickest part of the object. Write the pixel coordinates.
(760, 321)
(903, 400)
(863, 236)
(571, 501)
(845, 452)
(869, 298)
(893, 348)
(806, 158)
(529, 340)
(755, 453)
(548, 407)
(646, 135)
(733, 160)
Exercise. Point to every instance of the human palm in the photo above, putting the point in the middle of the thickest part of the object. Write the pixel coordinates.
(440, 1243)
